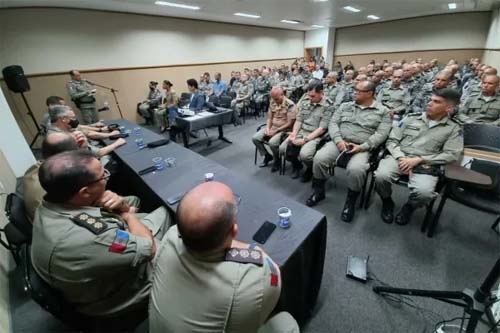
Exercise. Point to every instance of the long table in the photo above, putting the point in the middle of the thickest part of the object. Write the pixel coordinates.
(299, 250)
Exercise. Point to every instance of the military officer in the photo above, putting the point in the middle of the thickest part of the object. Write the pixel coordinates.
(88, 244)
(206, 86)
(261, 94)
(242, 100)
(297, 84)
(417, 147)
(313, 115)
(280, 118)
(378, 78)
(356, 128)
(473, 86)
(332, 88)
(346, 94)
(408, 82)
(206, 280)
(83, 96)
(153, 100)
(394, 97)
(483, 108)
(306, 74)
(423, 97)
(282, 81)
(388, 71)
(168, 110)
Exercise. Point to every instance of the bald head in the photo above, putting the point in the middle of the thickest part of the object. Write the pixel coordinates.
(206, 217)
(58, 142)
(490, 71)
(277, 94)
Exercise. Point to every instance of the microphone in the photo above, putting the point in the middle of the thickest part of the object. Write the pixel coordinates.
(89, 82)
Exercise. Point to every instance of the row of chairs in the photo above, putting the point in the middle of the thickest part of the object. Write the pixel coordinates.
(468, 190)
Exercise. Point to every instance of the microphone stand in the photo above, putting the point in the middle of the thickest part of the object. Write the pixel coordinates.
(113, 91)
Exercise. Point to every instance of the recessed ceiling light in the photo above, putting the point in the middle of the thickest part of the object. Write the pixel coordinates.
(290, 21)
(352, 9)
(317, 26)
(373, 17)
(247, 15)
(320, 0)
(452, 5)
(177, 5)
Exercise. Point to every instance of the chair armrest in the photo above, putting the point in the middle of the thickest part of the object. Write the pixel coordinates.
(459, 173)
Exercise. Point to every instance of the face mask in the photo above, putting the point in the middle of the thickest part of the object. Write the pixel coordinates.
(73, 123)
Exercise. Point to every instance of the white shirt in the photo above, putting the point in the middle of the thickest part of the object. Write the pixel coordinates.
(318, 74)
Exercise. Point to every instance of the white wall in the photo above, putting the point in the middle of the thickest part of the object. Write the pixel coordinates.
(322, 37)
(440, 32)
(492, 52)
(50, 40)
(12, 142)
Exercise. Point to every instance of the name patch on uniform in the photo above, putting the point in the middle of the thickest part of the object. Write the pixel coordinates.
(120, 242)
(274, 273)
(94, 224)
(244, 256)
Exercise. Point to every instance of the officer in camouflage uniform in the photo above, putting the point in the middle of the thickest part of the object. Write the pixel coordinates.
(306, 74)
(423, 97)
(483, 108)
(242, 100)
(356, 128)
(83, 96)
(408, 82)
(281, 116)
(206, 86)
(346, 94)
(87, 242)
(297, 85)
(394, 97)
(261, 94)
(332, 88)
(153, 101)
(313, 115)
(417, 147)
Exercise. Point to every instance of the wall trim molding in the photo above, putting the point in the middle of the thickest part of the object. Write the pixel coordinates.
(422, 50)
(100, 70)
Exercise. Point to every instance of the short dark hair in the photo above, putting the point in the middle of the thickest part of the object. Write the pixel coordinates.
(192, 83)
(53, 100)
(168, 83)
(72, 72)
(64, 174)
(370, 86)
(64, 142)
(451, 95)
(315, 85)
(214, 230)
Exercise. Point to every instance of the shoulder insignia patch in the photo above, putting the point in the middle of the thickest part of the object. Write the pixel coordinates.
(95, 224)
(274, 273)
(244, 256)
(120, 242)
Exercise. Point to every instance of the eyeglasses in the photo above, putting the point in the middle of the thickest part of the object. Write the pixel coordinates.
(359, 90)
(105, 177)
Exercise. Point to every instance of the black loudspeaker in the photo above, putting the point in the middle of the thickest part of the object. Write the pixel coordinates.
(15, 79)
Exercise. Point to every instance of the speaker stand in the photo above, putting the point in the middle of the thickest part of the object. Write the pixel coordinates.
(30, 113)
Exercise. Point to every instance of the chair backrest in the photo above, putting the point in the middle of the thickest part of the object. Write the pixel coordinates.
(231, 94)
(16, 213)
(225, 101)
(213, 99)
(491, 169)
(482, 136)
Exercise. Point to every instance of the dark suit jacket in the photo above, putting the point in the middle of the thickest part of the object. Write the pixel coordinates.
(197, 102)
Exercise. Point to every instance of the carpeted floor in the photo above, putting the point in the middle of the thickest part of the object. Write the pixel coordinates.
(459, 256)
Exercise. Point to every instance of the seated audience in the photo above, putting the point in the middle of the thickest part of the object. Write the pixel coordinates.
(207, 281)
(313, 115)
(484, 107)
(417, 148)
(169, 106)
(318, 73)
(87, 242)
(206, 85)
(219, 86)
(243, 97)
(356, 128)
(197, 100)
(261, 93)
(331, 87)
(394, 97)
(280, 118)
(441, 81)
(146, 107)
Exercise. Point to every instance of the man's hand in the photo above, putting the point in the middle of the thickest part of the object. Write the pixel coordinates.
(93, 91)
(115, 132)
(113, 202)
(120, 142)
(406, 164)
(80, 139)
(341, 146)
(100, 123)
(292, 137)
(354, 148)
(299, 142)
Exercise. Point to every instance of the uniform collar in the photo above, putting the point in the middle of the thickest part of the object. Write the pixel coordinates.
(493, 98)
(426, 120)
(371, 106)
(398, 88)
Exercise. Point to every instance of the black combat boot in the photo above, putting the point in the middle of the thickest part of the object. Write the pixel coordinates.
(276, 165)
(297, 166)
(387, 213)
(319, 192)
(268, 158)
(404, 215)
(349, 206)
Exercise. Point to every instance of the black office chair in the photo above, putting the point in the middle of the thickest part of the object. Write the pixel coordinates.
(53, 302)
(231, 94)
(225, 101)
(184, 100)
(214, 100)
(484, 198)
(18, 230)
